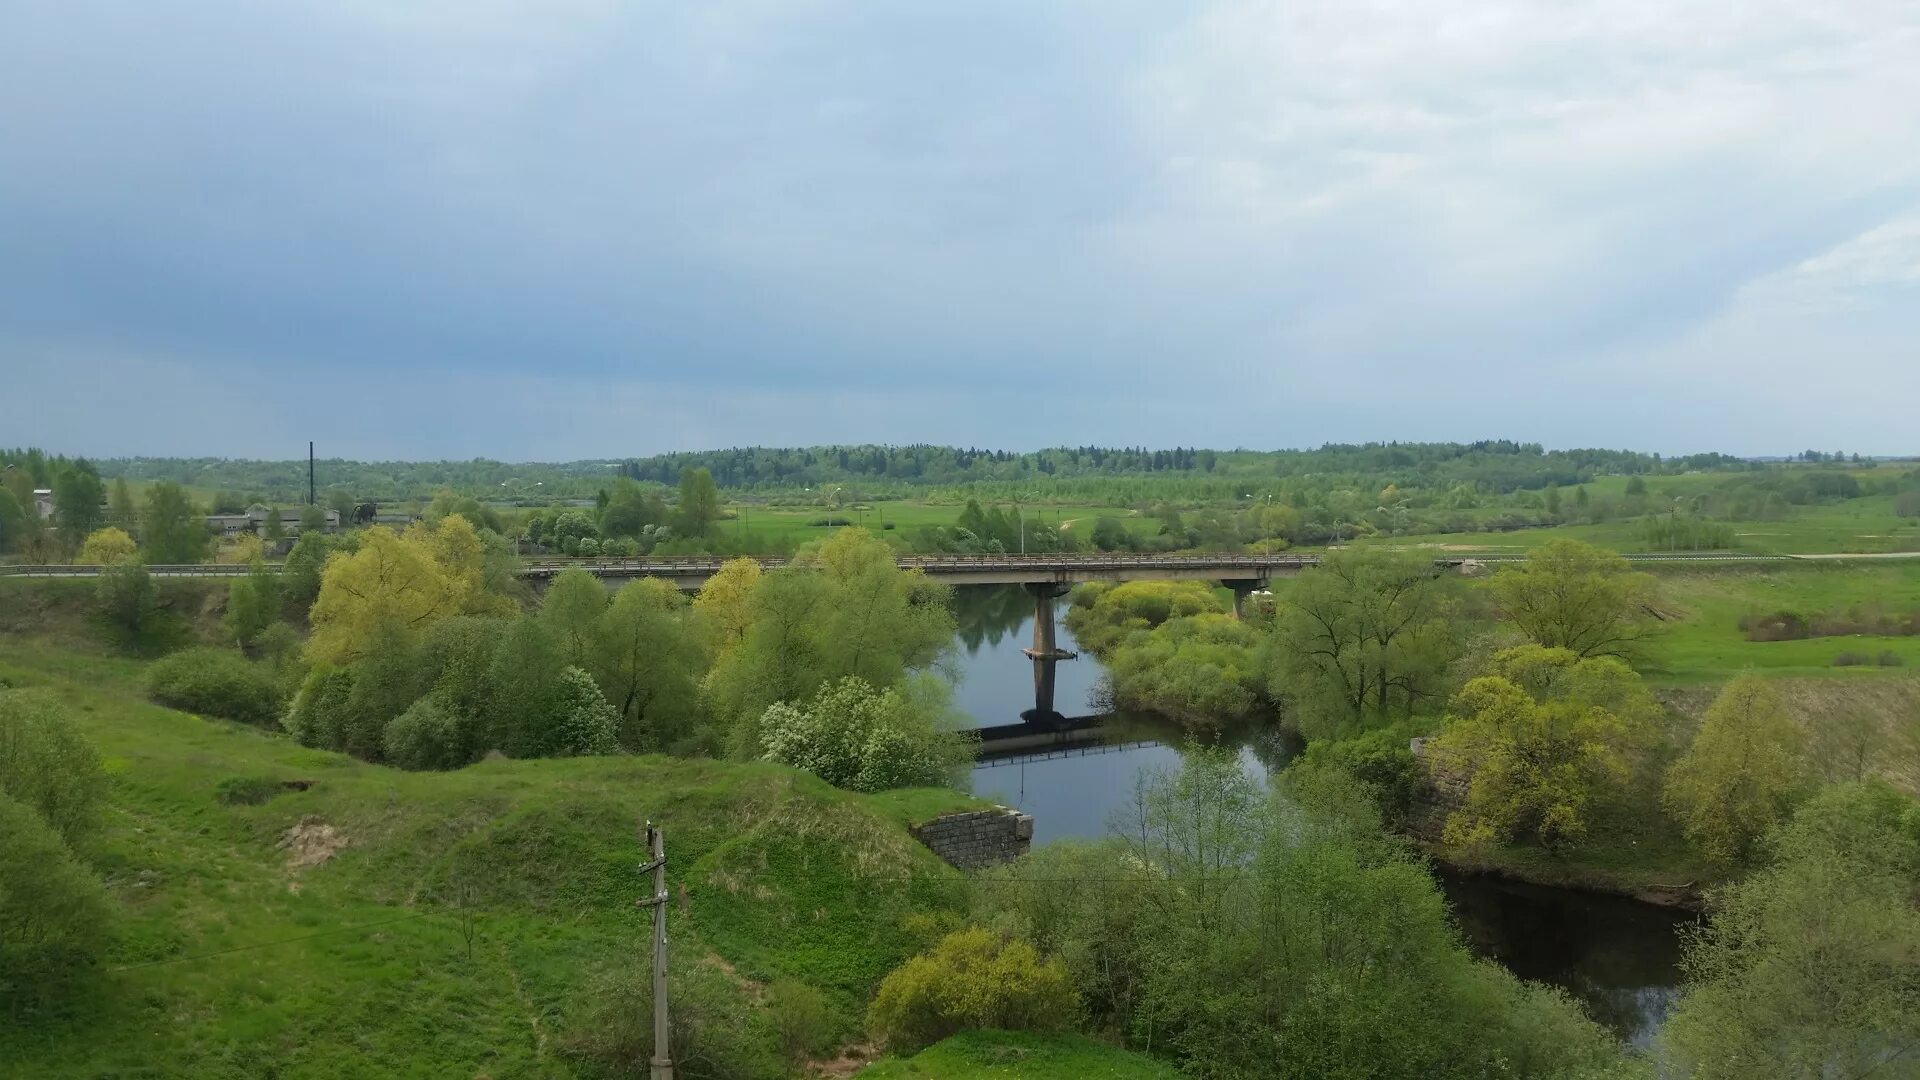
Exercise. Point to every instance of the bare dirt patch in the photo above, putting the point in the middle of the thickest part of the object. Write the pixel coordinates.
(311, 842)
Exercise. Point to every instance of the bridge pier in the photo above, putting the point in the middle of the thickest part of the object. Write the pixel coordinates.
(1241, 589)
(1046, 645)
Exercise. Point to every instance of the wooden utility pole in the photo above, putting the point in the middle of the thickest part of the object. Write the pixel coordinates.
(657, 862)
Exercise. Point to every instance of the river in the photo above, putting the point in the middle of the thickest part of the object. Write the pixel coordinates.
(1070, 767)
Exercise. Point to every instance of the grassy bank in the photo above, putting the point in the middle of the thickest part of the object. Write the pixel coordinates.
(482, 922)
(1005, 1055)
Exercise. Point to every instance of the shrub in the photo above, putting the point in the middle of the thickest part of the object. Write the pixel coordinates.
(854, 736)
(1889, 658)
(318, 713)
(53, 912)
(589, 548)
(217, 682)
(801, 1021)
(431, 734)
(47, 766)
(971, 980)
(583, 722)
(1852, 659)
(105, 547)
(246, 790)
(127, 600)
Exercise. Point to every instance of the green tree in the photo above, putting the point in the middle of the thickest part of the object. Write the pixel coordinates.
(313, 519)
(78, 498)
(573, 605)
(127, 599)
(173, 530)
(1806, 968)
(1574, 596)
(1540, 738)
(17, 523)
(120, 509)
(47, 766)
(699, 505)
(649, 664)
(1365, 632)
(631, 508)
(253, 604)
(582, 723)
(1743, 773)
(525, 677)
(274, 532)
(54, 914)
(1553, 501)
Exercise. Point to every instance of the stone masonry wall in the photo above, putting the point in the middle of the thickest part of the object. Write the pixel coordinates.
(975, 839)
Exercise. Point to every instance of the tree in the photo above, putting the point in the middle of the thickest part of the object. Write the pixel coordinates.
(1806, 968)
(54, 914)
(573, 604)
(275, 530)
(1742, 774)
(104, 546)
(253, 604)
(725, 603)
(78, 496)
(699, 505)
(841, 607)
(648, 663)
(17, 523)
(631, 508)
(855, 736)
(47, 766)
(583, 723)
(127, 599)
(1553, 501)
(404, 582)
(1364, 632)
(120, 508)
(173, 530)
(1574, 596)
(1540, 738)
(313, 519)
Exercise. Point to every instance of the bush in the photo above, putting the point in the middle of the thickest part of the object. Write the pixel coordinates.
(53, 912)
(1889, 658)
(801, 1020)
(1852, 659)
(47, 766)
(584, 723)
(971, 980)
(854, 736)
(431, 734)
(246, 790)
(127, 600)
(318, 713)
(589, 548)
(216, 682)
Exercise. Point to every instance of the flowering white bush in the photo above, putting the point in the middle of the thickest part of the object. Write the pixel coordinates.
(855, 736)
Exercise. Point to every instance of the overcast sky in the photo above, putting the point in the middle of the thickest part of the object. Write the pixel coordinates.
(576, 229)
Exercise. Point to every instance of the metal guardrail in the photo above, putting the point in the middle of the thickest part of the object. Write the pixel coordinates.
(936, 564)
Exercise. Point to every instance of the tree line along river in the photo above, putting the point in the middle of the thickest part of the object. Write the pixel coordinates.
(1618, 956)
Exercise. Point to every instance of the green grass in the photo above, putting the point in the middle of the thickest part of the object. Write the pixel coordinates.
(230, 961)
(1705, 643)
(789, 526)
(1008, 1055)
(1864, 525)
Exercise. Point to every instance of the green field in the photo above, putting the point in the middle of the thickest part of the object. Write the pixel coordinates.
(321, 934)
(784, 526)
(1009, 1055)
(1703, 640)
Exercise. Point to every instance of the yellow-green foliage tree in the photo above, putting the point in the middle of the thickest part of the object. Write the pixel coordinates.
(1743, 773)
(724, 605)
(840, 608)
(245, 548)
(106, 546)
(969, 981)
(402, 582)
(1574, 596)
(1540, 738)
(1104, 615)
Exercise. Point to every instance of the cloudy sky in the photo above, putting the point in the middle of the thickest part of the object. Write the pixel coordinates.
(458, 228)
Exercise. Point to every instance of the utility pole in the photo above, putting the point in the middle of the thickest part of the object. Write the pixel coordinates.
(309, 473)
(657, 863)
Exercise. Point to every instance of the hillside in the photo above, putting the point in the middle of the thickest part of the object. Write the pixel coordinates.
(325, 931)
(1006, 1055)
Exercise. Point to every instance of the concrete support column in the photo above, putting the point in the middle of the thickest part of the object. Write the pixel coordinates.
(1046, 645)
(1241, 589)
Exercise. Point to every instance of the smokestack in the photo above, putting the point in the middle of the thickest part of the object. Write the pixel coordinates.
(310, 499)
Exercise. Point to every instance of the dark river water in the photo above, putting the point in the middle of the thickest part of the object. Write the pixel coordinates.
(1071, 767)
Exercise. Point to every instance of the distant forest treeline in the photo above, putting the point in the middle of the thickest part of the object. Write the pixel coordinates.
(1493, 466)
